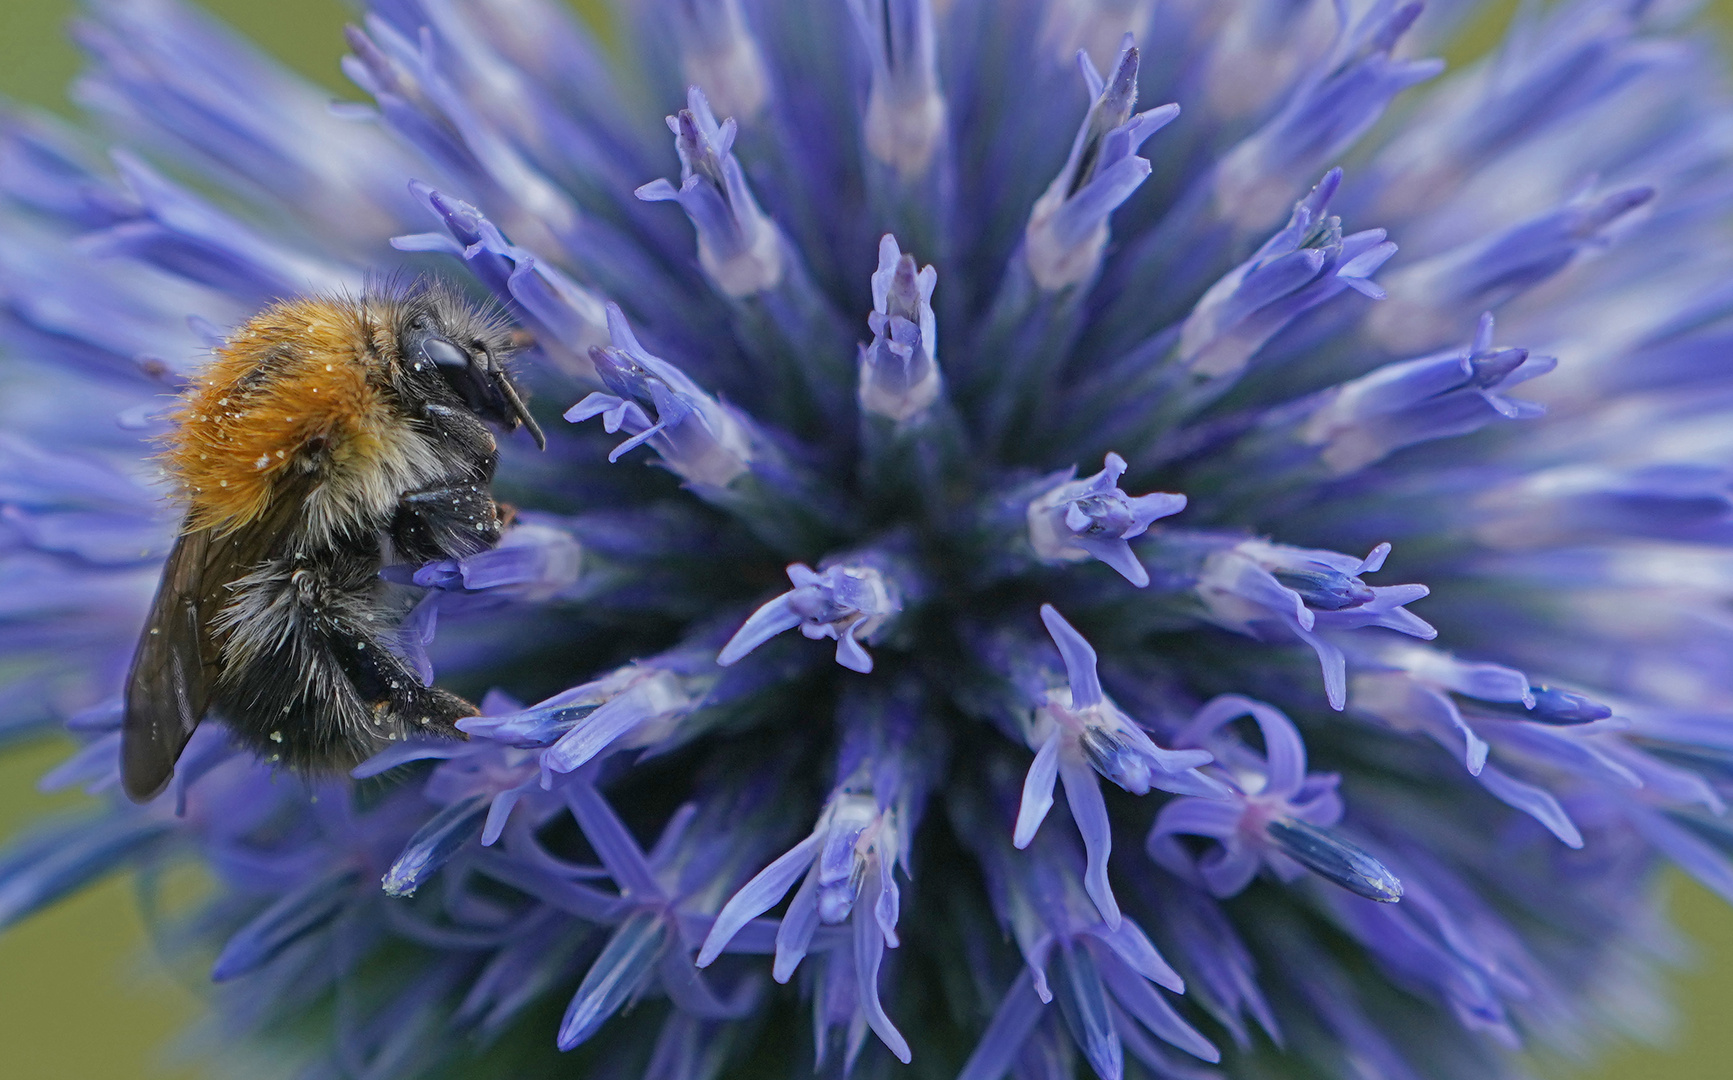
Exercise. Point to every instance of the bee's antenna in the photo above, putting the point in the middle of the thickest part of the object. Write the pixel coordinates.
(523, 414)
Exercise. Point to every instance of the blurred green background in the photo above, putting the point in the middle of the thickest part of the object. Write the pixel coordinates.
(83, 998)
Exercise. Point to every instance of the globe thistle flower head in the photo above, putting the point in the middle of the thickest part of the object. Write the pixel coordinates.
(1381, 665)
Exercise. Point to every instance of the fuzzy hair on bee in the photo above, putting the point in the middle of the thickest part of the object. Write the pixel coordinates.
(328, 436)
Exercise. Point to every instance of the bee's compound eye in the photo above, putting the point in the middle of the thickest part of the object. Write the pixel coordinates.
(469, 379)
(446, 355)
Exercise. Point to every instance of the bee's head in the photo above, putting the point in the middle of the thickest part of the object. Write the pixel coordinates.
(439, 333)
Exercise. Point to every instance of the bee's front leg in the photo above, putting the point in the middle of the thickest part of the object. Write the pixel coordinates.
(446, 522)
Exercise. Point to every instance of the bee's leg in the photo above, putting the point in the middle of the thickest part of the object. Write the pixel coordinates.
(446, 522)
(392, 694)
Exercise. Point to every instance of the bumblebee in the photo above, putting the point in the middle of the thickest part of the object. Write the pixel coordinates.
(327, 437)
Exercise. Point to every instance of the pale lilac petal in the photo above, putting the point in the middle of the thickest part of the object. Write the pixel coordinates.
(767, 622)
(1089, 810)
(1133, 946)
(1079, 659)
(1534, 802)
(613, 842)
(1002, 1043)
(597, 731)
(1037, 791)
(1151, 1010)
(500, 811)
(1227, 871)
(799, 923)
(1084, 1002)
(869, 951)
(758, 896)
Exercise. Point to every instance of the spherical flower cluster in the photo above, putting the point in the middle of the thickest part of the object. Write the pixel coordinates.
(1380, 665)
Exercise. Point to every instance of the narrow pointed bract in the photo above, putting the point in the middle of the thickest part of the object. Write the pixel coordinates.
(1219, 788)
(905, 113)
(719, 52)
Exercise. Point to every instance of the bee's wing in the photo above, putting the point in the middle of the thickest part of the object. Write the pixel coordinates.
(176, 665)
(169, 685)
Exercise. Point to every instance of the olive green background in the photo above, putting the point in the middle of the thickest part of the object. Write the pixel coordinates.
(82, 997)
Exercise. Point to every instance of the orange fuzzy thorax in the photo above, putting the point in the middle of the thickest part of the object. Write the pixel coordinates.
(300, 377)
